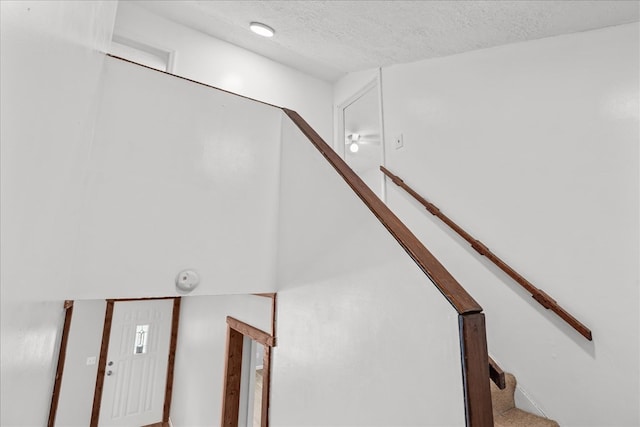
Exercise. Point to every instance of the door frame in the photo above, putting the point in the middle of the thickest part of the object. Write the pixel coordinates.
(55, 397)
(236, 332)
(338, 142)
(104, 348)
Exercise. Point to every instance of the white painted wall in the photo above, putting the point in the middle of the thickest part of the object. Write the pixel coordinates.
(178, 176)
(221, 64)
(79, 379)
(93, 184)
(533, 148)
(48, 80)
(553, 103)
(170, 175)
(344, 88)
(200, 357)
(363, 337)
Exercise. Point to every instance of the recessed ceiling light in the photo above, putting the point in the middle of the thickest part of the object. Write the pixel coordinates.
(261, 29)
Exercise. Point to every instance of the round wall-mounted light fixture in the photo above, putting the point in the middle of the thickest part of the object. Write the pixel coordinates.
(262, 29)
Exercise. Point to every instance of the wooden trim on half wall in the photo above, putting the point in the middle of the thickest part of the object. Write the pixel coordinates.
(266, 295)
(274, 314)
(266, 368)
(252, 332)
(142, 299)
(274, 303)
(62, 355)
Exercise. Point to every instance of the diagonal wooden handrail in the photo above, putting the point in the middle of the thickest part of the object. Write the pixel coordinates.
(471, 321)
(538, 294)
(457, 296)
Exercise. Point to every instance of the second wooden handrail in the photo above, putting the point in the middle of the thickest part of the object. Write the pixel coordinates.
(538, 294)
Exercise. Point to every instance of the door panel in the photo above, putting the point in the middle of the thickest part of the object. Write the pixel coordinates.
(363, 147)
(134, 385)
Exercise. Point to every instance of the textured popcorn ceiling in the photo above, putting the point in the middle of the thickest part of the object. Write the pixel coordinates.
(330, 38)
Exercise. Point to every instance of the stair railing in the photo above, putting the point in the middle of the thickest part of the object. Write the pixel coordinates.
(471, 321)
(497, 374)
(538, 294)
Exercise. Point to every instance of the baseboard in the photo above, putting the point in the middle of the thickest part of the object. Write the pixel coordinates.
(524, 402)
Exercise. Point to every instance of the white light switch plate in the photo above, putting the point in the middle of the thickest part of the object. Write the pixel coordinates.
(91, 360)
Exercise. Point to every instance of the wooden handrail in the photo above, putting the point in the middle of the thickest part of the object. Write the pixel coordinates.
(497, 374)
(538, 294)
(457, 296)
(473, 340)
(450, 288)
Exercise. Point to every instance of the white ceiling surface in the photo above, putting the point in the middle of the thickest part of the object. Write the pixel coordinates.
(330, 38)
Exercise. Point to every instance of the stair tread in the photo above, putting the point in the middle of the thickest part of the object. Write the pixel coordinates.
(518, 418)
(505, 413)
(503, 400)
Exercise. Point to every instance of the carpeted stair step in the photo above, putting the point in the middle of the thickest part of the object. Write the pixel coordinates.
(505, 413)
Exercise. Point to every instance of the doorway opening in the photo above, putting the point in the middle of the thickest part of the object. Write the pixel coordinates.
(132, 379)
(135, 369)
(251, 384)
(245, 400)
(360, 136)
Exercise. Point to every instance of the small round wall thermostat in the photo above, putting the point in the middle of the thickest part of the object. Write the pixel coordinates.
(187, 280)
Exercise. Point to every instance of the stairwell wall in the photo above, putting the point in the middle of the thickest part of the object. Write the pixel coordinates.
(49, 75)
(105, 184)
(364, 338)
(533, 148)
(217, 63)
(170, 176)
(179, 176)
(201, 352)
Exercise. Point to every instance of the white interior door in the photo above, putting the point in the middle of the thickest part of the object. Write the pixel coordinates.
(134, 386)
(363, 146)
